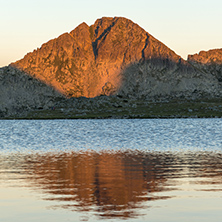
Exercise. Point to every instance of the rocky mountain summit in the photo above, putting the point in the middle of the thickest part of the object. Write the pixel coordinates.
(90, 61)
(112, 57)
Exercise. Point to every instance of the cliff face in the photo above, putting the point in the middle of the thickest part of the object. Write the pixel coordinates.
(90, 61)
(208, 62)
(207, 57)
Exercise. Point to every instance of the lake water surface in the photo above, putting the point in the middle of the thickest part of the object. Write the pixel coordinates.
(111, 170)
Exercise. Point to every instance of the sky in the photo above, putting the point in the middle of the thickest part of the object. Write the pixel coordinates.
(186, 27)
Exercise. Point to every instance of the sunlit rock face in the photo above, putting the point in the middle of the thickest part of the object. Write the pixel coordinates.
(89, 59)
(207, 57)
(208, 62)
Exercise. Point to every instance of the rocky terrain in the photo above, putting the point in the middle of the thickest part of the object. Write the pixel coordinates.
(113, 60)
(208, 62)
(20, 93)
(213, 56)
(89, 61)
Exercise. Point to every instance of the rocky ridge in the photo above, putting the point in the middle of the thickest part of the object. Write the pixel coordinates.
(207, 57)
(208, 62)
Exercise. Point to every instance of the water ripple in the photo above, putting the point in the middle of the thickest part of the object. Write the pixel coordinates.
(157, 134)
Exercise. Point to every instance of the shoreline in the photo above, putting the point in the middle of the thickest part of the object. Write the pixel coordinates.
(122, 108)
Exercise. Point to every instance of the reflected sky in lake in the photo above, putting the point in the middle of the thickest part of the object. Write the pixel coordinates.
(135, 184)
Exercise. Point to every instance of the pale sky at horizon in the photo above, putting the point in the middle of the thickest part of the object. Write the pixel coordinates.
(186, 27)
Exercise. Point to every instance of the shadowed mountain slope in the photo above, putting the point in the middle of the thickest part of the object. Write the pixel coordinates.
(20, 92)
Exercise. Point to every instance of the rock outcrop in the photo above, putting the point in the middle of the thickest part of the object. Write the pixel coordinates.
(208, 62)
(20, 92)
(207, 57)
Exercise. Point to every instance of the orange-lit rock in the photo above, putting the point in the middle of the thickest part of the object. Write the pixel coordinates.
(82, 62)
(208, 62)
(207, 57)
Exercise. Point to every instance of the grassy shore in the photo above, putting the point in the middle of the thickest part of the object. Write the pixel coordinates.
(123, 108)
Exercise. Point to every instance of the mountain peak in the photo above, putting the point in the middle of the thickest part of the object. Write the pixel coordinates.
(80, 28)
(90, 58)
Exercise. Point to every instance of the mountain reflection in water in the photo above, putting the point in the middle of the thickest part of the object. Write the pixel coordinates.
(116, 184)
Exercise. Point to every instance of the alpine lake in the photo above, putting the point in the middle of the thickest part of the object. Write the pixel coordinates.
(111, 170)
